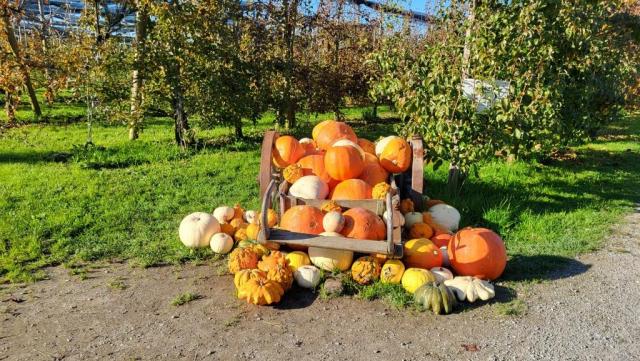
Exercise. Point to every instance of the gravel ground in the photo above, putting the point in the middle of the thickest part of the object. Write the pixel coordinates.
(587, 311)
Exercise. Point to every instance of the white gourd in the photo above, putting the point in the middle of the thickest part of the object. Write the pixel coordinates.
(446, 216)
(412, 218)
(224, 214)
(309, 187)
(221, 243)
(307, 276)
(333, 222)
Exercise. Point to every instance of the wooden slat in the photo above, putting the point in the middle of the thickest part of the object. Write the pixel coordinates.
(264, 177)
(374, 205)
(311, 240)
(417, 172)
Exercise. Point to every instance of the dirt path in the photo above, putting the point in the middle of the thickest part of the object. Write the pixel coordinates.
(586, 316)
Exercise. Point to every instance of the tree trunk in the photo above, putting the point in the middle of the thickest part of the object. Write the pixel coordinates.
(10, 105)
(181, 131)
(49, 94)
(456, 179)
(24, 71)
(237, 125)
(138, 73)
(291, 9)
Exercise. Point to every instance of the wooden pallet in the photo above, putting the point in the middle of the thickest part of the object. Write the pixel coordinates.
(274, 195)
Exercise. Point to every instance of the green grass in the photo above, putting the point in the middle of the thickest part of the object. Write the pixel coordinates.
(62, 202)
(184, 298)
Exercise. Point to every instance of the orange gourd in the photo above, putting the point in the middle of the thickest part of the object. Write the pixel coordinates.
(351, 189)
(406, 206)
(367, 146)
(286, 151)
(441, 240)
(361, 223)
(343, 162)
(271, 260)
(328, 132)
(373, 173)
(420, 230)
(396, 156)
(477, 252)
(422, 253)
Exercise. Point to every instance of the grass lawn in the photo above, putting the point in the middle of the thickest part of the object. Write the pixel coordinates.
(62, 202)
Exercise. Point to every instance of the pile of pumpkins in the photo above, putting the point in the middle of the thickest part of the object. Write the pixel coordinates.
(262, 273)
(338, 165)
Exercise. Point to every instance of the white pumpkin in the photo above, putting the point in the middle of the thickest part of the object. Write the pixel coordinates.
(471, 288)
(398, 218)
(412, 218)
(445, 256)
(330, 259)
(309, 187)
(348, 143)
(442, 274)
(382, 143)
(446, 216)
(307, 276)
(251, 217)
(333, 221)
(221, 243)
(224, 214)
(197, 228)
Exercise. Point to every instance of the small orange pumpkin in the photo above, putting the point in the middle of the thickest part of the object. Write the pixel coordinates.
(441, 240)
(396, 155)
(422, 253)
(420, 230)
(373, 173)
(367, 146)
(286, 151)
(351, 189)
(361, 223)
(314, 165)
(343, 162)
(328, 132)
(406, 206)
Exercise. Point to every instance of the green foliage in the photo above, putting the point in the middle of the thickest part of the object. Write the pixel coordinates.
(564, 65)
(123, 200)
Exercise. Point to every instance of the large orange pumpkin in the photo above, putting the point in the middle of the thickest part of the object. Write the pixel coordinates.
(373, 173)
(396, 155)
(367, 146)
(351, 189)
(302, 219)
(361, 223)
(477, 252)
(314, 165)
(422, 253)
(318, 128)
(327, 133)
(286, 151)
(343, 162)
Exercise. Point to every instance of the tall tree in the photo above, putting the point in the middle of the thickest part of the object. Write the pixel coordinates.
(139, 69)
(7, 13)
